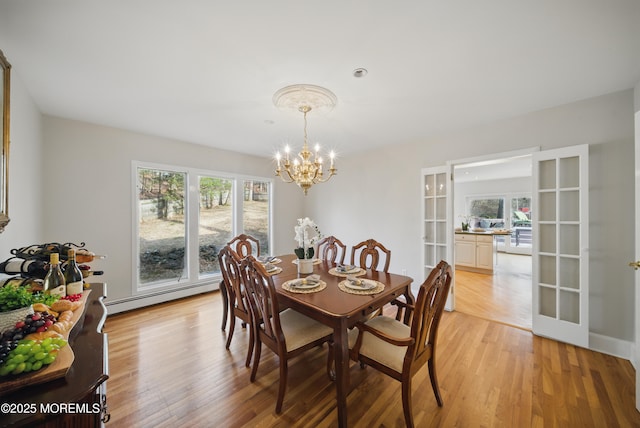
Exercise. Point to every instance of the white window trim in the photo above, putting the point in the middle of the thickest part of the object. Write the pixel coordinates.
(193, 279)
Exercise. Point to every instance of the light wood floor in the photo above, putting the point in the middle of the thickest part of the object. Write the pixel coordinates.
(504, 296)
(169, 368)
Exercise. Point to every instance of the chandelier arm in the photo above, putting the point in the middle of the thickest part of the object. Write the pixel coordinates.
(324, 180)
(291, 179)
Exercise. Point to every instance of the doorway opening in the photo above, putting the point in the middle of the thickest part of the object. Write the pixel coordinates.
(496, 196)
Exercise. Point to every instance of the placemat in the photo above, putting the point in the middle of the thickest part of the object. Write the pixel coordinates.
(379, 287)
(334, 271)
(275, 271)
(287, 286)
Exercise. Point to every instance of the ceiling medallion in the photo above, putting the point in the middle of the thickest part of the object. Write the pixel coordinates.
(306, 168)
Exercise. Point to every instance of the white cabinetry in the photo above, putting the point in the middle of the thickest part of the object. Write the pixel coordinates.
(466, 250)
(484, 252)
(475, 252)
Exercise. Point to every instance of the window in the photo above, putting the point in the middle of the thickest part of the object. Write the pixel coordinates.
(161, 225)
(487, 212)
(183, 217)
(255, 214)
(215, 221)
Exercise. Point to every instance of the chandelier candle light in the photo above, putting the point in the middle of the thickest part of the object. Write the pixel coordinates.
(304, 170)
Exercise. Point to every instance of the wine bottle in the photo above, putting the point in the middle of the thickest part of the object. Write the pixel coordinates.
(72, 275)
(84, 256)
(54, 281)
(31, 268)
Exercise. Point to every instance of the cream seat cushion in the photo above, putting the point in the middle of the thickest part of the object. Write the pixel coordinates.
(299, 329)
(372, 347)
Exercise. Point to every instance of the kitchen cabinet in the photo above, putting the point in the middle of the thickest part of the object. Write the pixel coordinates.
(465, 250)
(475, 252)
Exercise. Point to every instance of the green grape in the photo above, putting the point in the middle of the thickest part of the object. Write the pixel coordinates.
(19, 368)
(31, 355)
(20, 358)
(22, 349)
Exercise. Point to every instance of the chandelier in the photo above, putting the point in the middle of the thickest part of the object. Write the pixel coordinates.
(306, 168)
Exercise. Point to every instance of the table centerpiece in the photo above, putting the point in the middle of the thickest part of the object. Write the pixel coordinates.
(307, 234)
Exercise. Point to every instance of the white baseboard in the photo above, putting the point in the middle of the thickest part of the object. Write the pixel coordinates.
(611, 346)
(137, 302)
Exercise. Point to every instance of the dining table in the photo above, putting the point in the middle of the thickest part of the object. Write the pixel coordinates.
(338, 306)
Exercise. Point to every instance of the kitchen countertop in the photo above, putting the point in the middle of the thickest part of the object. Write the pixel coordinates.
(484, 232)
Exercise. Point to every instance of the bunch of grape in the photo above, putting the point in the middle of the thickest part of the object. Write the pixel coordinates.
(5, 348)
(33, 323)
(31, 355)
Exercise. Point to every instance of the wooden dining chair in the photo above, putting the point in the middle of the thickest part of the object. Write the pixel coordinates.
(288, 333)
(400, 350)
(367, 254)
(245, 245)
(238, 306)
(242, 245)
(331, 249)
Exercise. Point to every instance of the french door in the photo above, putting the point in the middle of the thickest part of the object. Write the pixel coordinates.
(436, 214)
(560, 239)
(560, 245)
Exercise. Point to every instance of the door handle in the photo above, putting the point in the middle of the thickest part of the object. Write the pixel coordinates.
(635, 265)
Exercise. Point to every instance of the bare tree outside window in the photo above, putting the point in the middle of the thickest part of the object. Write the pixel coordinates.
(255, 216)
(161, 225)
(215, 221)
(178, 245)
(487, 213)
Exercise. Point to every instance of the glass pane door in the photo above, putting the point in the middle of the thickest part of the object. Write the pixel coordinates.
(436, 242)
(560, 245)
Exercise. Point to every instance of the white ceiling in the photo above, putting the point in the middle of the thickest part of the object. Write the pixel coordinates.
(494, 169)
(205, 71)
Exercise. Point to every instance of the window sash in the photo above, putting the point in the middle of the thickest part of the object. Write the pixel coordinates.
(192, 275)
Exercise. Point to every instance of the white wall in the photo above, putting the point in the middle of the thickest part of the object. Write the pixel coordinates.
(611, 225)
(26, 204)
(89, 187)
(377, 194)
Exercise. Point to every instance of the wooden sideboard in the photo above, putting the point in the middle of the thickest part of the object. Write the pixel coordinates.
(79, 398)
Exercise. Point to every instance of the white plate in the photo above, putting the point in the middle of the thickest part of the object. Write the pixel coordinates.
(270, 268)
(266, 259)
(364, 285)
(301, 285)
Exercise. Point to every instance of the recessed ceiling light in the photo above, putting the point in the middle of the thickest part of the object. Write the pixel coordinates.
(360, 72)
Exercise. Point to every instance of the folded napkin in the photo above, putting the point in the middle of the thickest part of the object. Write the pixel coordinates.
(269, 267)
(363, 283)
(310, 280)
(345, 268)
(266, 259)
(355, 281)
